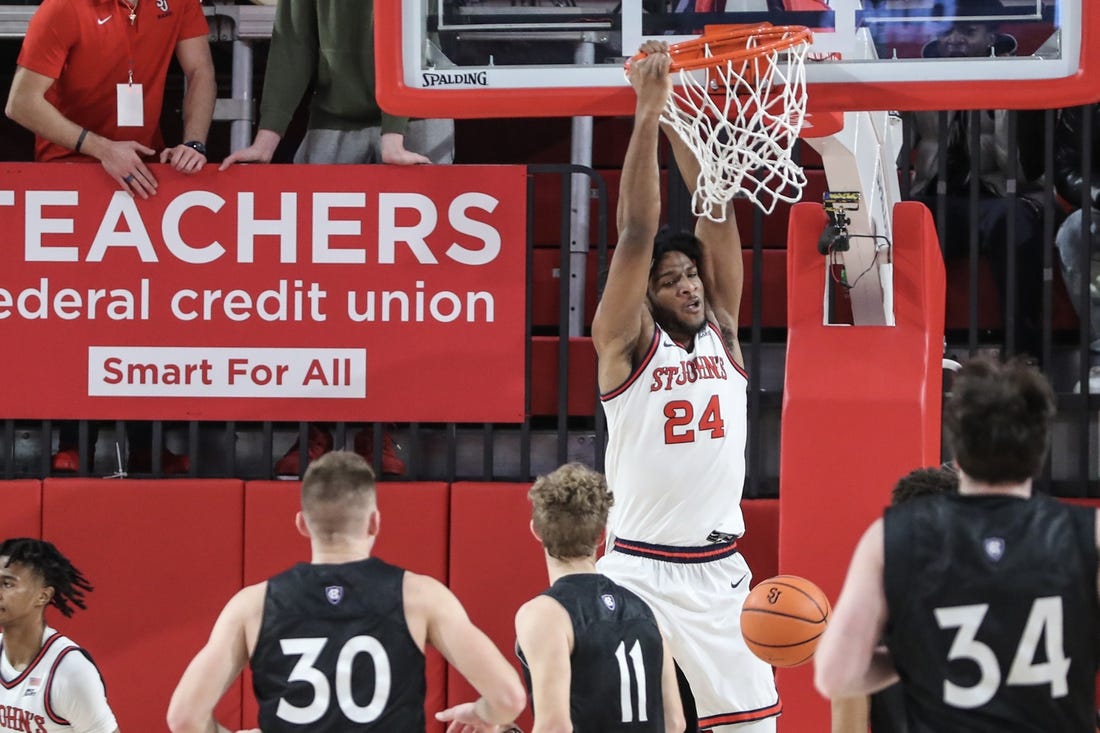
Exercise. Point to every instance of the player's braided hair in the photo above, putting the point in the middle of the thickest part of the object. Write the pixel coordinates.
(68, 583)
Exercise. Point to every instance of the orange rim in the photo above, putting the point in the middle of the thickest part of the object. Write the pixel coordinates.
(732, 45)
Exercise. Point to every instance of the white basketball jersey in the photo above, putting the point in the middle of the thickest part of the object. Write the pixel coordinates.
(676, 454)
(25, 695)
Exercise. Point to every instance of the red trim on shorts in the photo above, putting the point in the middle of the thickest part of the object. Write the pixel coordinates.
(604, 397)
(670, 553)
(747, 716)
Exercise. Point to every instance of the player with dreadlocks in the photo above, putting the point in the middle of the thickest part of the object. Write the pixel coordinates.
(43, 686)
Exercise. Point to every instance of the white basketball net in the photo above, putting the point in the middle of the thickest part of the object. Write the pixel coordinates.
(742, 131)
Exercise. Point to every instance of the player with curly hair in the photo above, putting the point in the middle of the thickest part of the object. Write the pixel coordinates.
(594, 658)
(43, 685)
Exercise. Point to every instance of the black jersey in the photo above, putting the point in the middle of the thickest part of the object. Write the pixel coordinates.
(993, 613)
(334, 652)
(615, 682)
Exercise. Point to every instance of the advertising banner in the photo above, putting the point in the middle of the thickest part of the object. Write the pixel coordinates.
(268, 292)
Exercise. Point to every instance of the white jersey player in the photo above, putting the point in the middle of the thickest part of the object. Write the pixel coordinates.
(673, 387)
(48, 684)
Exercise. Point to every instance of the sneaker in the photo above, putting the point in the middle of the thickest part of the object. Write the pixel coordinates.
(170, 463)
(392, 465)
(66, 460)
(318, 443)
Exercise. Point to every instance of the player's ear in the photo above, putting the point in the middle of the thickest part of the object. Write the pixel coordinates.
(374, 522)
(531, 526)
(45, 596)
(300, 524)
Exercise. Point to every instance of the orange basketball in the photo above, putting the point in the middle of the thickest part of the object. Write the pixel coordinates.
(783, 618)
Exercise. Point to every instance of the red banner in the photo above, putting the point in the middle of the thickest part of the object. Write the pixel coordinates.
(264, 293)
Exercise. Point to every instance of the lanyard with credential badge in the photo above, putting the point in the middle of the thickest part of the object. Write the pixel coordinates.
(131, 102)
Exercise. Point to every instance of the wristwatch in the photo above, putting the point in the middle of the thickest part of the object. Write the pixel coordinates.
(196, 145)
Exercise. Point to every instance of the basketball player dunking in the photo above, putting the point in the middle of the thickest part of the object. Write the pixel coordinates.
(674, 391)
(47, 683)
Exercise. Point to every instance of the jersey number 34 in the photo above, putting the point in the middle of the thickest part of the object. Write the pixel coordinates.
(1043, 621)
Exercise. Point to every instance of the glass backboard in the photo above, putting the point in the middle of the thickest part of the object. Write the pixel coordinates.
(505, 58)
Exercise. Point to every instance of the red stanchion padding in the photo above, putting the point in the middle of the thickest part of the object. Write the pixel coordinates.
(22, 515)
(413, 535)
(760, 544)
(861, 407)
(164, 556)
(496, 566)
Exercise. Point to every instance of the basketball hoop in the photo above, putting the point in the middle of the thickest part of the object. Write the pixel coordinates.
(742, 116)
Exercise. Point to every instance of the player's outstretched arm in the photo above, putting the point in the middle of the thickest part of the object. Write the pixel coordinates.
(670, 693)
(217, 664)
(469, 650)
(723, 270)
(617, 326)
(545, 635)
(849, 661)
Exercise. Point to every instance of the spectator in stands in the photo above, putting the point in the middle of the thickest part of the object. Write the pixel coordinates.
(44, 685)
(89, 84)
(1080, 252)
(331, 44)
(1000, 165)
(345, 618)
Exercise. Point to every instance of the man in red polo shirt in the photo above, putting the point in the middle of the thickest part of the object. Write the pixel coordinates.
(90, 86)
(90, 83)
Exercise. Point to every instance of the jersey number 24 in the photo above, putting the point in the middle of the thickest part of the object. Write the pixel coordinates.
(680, 426)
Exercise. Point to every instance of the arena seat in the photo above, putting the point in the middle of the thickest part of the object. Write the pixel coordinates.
(164, 557)
(546, 283)
(413, 535)
(957, 316)
(22, 515)
(496, 566)
(581, 378)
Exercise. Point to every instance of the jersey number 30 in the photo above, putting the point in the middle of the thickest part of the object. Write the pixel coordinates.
(1043, 621)
(307, 651)
(680, 416)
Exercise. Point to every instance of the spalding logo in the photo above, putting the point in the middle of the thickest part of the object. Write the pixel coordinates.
(454, 78)
(773, 595)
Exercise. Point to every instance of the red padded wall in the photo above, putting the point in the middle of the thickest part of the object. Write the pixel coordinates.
(861, 407)
(760, 544)
(413, 535)
(22, 515)
(164, 557)
(496, 566)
